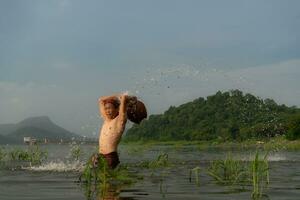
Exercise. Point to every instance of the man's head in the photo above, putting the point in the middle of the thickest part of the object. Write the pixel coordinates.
(111, 107)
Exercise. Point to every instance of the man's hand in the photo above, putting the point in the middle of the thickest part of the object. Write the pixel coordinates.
(124, 97)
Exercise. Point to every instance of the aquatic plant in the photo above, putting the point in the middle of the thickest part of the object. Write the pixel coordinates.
(2, 157)
(17, 154)
(228, 171)
(101, 181)
(260, 175)
(162, 160)
(232, 172)
(196, 171)
(100, 173)
(33, 155)
(2, 154)
(36, 156)
(75, 151)
(98, 178)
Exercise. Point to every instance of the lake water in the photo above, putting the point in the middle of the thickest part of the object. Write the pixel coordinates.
(56, 178)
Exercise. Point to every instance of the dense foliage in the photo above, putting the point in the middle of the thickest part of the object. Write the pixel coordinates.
(293, 127)
(230, 115)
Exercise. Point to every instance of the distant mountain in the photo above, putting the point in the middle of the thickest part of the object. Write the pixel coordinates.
(7, 128)
(224, 116)
(38, 127)
(6, 140)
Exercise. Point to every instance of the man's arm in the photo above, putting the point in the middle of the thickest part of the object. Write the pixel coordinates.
(123, 109)
(103, 98)
(101, 109)
(125, 102)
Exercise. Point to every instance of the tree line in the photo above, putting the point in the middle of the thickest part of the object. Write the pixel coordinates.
(229, 115)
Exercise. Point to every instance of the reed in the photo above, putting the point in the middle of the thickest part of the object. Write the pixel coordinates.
(98, 179)
(33, 154)
(75, 151)
(2, 154)
(103, 175)
(162, 160)
(260, 175)
(228, 171)
(196, 172)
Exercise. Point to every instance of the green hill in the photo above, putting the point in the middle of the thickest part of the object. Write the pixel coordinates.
(225, 116)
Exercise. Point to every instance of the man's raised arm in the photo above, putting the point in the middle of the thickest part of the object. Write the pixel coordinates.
(103, 98)
(123, 108)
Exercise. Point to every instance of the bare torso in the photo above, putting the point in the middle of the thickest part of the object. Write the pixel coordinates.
(110, 135)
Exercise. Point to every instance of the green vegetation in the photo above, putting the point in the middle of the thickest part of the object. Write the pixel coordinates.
(294, 128)
(260, 175)
(2, 154)
(228, 171)
(162, 160)
(101, 177)
(228, 116)
(102, 174)
(75, 151)
(196, 172)
(236, 172)
(271, 144)
(33, 154)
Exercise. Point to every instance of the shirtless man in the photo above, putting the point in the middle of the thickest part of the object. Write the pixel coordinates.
(113, 110)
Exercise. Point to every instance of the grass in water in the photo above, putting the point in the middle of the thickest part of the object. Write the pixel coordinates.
(2, 154)
(99, 178)
(260, 175)
(228, 171)
(162, 160)
(33, 154)
(196, 171)
(75, 151)
(234, 172)
(101, 173)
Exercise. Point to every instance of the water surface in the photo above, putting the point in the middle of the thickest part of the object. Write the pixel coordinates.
(55, 179)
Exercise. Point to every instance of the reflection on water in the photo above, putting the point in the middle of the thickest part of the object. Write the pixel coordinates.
(103, 192)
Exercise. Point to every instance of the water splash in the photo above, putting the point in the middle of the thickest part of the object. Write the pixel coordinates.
(277, 157)
(58, 166)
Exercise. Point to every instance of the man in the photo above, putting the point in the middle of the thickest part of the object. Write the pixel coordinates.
(113, 110)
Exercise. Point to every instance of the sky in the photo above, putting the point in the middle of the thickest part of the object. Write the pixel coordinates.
(57, 57)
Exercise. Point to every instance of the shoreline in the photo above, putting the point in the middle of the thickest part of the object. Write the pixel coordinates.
(276, 143)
